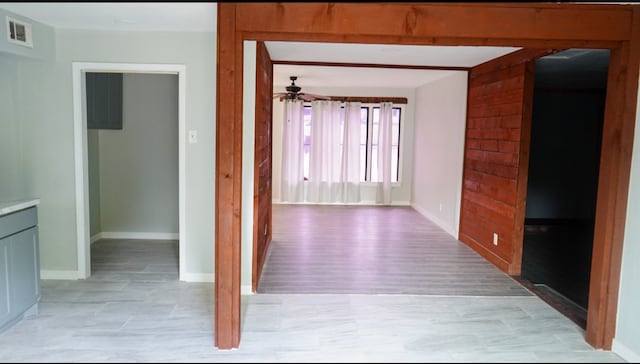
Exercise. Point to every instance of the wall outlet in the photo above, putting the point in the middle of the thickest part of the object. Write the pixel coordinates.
(495, 239)
(440, 207)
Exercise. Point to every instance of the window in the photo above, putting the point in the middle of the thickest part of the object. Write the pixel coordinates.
(370, 116)
(372, 163)
(306, 145)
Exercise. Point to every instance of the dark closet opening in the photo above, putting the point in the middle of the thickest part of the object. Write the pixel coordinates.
(566, 136)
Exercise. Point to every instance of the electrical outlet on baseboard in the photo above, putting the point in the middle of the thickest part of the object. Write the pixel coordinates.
(495, 239)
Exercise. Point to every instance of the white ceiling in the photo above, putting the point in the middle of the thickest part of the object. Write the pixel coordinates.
(407, 55)
(201, 17)
(352, 77)
(380, 54)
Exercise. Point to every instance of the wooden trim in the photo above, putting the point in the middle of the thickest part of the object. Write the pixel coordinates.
(487, 254)
(509, 60)
(536, 21)
(427, 40)
(228, 180)
(593, 6)
(263, 109)
(613, 187)
(370, 99)
(464, 151)
(366, 99)
(370, 65)
(523, 168)
(255, 261)
(533, 25)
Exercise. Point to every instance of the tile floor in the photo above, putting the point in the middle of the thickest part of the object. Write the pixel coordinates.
(133, 309)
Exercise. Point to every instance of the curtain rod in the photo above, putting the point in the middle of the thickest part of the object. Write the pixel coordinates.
(369, 100)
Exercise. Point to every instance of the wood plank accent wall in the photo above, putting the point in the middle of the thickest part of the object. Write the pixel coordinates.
(262, 218)
(496, 157)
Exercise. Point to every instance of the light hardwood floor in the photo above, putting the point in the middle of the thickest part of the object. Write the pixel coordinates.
(373, 250)
(133, 309)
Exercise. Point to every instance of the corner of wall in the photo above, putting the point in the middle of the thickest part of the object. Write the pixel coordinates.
(43, 39)
(624, 352)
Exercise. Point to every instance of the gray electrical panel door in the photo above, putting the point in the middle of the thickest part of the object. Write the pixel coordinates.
(104, 100)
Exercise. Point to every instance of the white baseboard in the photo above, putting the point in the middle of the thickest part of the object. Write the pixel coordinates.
(95, 238)
(401, 203)
(59, 274)
(361, 203)
(197, 277)
(450, 230)
(624, 352)
(245, 290)
(136, 235)
(32, 311)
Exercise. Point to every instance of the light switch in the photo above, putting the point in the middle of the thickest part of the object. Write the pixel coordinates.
(193, 136)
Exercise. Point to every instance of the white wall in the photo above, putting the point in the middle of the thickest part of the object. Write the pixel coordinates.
(47, 117)
(139, 163)
(627, 339)
(401, 191)
(11, 169)
(46, 170)
(93, 156)
(248, 161)
(439, 150)
(43, 39)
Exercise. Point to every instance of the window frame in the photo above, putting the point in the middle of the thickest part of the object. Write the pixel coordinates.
(371, 107)
(369, 142)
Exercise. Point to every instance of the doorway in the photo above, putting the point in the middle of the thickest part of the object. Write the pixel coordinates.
(132, 121)
(82, 155)
(618, 128)
(566, 136)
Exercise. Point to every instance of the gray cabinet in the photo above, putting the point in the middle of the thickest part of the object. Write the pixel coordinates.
(104, 100)
(19, 266)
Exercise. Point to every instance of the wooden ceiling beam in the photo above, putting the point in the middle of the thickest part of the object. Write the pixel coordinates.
(479, 21)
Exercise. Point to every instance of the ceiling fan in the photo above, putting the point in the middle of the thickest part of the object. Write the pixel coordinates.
(293, 93)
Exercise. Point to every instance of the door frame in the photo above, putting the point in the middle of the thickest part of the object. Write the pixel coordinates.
(533, 25)
(81, 153)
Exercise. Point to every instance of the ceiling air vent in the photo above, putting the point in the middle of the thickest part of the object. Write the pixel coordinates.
(19, 32)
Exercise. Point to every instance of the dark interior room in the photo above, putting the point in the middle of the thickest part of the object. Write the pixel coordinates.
(566, 134)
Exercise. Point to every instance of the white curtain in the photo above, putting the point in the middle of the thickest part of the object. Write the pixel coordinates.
(325, 154)
(384, 154)
(350, 171)
(292, 152)
(334, 161)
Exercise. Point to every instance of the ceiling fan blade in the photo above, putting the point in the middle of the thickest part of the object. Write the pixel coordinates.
(314, 96)
(306, 97)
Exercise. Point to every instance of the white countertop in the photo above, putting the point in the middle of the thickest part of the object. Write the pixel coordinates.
(7, 207)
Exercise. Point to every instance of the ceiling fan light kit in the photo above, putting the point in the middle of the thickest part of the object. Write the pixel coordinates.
(293, 93)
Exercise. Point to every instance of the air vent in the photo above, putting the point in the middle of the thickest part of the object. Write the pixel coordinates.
(19, 32)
